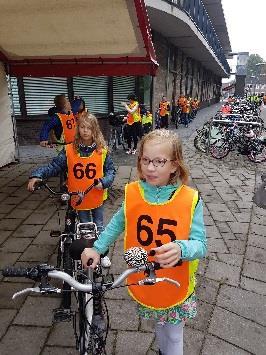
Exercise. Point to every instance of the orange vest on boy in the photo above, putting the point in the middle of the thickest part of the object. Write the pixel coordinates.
(163, 107)
(135, 116)
(81, 173)
(149, 225)
(69, 126)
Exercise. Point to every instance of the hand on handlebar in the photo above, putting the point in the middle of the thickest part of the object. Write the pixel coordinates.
(167, 255)
(31, 184)
(87, 254)
(44, 144)
(99, 186)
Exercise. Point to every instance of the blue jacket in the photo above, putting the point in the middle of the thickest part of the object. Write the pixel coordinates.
(52, 123)
(193, 248)
(59, 164)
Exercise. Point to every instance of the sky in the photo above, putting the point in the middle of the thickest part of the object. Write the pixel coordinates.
(246, 25)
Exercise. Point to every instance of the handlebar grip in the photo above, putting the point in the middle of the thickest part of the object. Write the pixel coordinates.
(12, 271)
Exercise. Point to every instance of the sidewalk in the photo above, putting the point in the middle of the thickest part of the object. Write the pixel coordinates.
(231, 279)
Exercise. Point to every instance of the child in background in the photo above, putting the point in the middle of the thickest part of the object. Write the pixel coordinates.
(89, 154)
(172, 214)
(62, 120)
(147, 122)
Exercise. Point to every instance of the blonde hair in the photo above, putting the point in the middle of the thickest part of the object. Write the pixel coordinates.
(166, 136)
(97, 136)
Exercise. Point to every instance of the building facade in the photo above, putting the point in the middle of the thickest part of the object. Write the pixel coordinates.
(191, 44)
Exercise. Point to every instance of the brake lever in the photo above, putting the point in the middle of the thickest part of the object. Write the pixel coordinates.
(26, 290)
(44, 290)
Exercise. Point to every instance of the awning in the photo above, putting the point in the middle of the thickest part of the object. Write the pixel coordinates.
(76, 38)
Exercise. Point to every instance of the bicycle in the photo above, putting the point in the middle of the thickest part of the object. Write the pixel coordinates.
(66, 239)
(117, 133)
(176, 116)
(89, 287)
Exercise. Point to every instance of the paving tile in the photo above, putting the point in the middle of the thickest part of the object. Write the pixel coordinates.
(217, 346)
(37, 311)
(217, 246)
(232, 259)
(238, 331)
(117, 311)
(7, 290)
(137, 343)
(15, 245)
(256, 254)
(43, 238)
(4, 236)
(253, 285)
(207, 289)
(6, 316)
(201, 321)
(27, 231)
(257, 241)
(62, 334)
(223, 272)
(192, 341)
(254, 270)
(9, 224)
(23, 340)
(38, 253)
(244, 303)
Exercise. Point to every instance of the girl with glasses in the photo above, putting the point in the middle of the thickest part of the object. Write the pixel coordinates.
(161, 213)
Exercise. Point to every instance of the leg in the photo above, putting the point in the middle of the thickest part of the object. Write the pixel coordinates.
(160, 337)
(135, 135)
(129, 137)
(84, 216)
(174, 339)
(166, 117)
(97, 217)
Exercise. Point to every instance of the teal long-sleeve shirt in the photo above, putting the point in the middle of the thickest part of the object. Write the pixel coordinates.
(193, 248)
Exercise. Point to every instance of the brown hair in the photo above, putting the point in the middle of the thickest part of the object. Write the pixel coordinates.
(163, 136)
(97, 135)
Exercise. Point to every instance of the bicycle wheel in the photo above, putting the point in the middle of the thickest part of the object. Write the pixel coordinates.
(85, 305)
(68, 268)
(258, 155)
(112, 141)
(93, 323)
(200, 143)
(220, 149)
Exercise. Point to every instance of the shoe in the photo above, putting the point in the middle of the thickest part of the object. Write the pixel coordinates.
(134, 151)
(105, 261)
(129, 151)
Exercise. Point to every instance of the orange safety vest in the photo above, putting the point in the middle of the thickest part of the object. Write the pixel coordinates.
(69, 126)
(149, 225)
(163, 108)
(186, 106)
(135, 116)
(81, 173)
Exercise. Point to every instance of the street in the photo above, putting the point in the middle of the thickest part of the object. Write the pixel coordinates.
(231, 286)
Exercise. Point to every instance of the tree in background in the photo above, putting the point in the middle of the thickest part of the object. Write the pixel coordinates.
(252, 68)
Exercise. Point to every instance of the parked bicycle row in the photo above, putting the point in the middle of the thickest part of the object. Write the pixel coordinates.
(243, 132)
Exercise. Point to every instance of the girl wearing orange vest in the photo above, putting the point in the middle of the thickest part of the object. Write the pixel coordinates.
(133, 120)
(85, 160)
(161, 213)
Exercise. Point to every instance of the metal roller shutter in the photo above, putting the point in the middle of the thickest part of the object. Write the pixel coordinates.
(94, 91)
(15, 96)
(40, 93)
(122, 86)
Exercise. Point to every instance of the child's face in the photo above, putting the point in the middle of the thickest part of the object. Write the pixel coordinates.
(85, 133)
(161, 154)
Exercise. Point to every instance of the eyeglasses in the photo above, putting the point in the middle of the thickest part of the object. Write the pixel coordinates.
(157, 162)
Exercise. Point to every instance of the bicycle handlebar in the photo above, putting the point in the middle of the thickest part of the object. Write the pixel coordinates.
(66, 195)
(45, 271)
